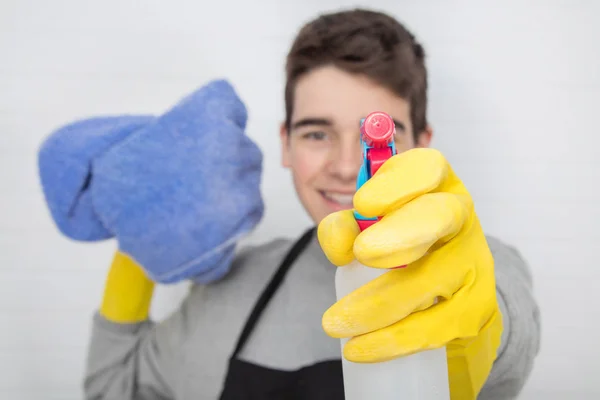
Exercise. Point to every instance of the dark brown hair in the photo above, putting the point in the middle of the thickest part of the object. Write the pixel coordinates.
(364, 42)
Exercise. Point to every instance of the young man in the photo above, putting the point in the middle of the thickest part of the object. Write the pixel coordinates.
(259, 331)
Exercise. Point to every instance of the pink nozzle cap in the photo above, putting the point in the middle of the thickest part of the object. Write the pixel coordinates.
(378, 129)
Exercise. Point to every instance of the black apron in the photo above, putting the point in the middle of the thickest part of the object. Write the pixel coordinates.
(246, 381)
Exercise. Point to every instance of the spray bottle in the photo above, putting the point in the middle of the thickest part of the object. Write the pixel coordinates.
(421, 376)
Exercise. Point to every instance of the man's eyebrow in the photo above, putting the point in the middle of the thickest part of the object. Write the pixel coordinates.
(399, 126)
(311, 121)
(326, 122)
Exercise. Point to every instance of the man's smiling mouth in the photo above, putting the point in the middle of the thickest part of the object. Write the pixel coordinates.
(343, 199)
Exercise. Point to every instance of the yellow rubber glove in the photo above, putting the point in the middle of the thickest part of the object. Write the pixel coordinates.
(429, 224)
(127, 292)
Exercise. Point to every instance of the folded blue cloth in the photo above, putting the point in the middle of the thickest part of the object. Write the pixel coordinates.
(177, 191)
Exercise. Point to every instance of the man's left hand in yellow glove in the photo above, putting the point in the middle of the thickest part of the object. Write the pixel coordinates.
(446, 294)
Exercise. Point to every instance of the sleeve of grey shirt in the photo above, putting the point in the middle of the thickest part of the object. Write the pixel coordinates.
(135, 361)
(522, 327)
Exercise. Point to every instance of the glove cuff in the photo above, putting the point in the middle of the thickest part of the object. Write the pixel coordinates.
(470, 360)
(127, 293)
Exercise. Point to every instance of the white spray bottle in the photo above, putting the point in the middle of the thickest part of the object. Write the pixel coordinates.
(421, 376)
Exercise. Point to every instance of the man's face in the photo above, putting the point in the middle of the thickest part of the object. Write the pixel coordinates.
(323, 149)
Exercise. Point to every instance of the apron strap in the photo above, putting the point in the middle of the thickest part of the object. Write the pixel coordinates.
(271, 288)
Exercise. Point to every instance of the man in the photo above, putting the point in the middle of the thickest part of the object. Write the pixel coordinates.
(259, 331)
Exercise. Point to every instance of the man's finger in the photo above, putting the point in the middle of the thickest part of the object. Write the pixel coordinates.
(429, 329)
(400, 179)
(336, 234)
(435, 326)
(395, 295)
(408, 233)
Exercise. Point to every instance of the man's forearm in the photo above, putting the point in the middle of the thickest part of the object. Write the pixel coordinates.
(128, 356)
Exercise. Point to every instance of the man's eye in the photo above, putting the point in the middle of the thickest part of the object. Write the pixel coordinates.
(399, 138)
(315, 135)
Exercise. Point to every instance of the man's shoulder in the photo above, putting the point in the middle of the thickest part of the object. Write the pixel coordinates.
(271, 249)
(252, 265)
(498, 245)
(257, 261)
(508, 257)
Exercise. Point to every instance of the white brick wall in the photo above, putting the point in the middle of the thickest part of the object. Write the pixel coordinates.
(514, 92)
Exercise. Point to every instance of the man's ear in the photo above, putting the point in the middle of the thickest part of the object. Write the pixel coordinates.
(284, 137)
(424, 138)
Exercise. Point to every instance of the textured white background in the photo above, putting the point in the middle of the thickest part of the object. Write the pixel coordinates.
(514, 91)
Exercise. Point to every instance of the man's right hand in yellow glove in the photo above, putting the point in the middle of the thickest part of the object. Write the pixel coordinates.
(429, 224)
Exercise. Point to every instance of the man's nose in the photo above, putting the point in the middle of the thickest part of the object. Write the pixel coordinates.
(346, 160)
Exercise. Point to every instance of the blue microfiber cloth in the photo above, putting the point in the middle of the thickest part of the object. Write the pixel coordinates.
(177, 191)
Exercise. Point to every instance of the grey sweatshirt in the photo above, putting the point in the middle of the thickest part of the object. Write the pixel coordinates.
(185, 356)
